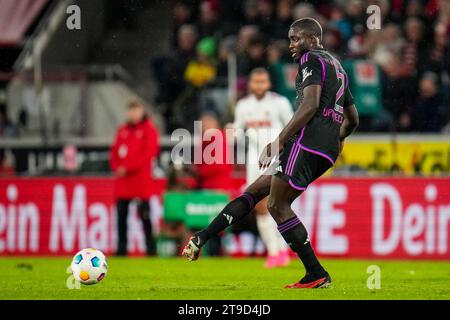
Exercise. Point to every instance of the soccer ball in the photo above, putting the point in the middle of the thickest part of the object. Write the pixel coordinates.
(89, 266)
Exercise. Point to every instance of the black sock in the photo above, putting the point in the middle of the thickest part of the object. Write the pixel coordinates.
(296, 236)
(232, 213)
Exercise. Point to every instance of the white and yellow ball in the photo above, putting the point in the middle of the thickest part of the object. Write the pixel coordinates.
(89, 266)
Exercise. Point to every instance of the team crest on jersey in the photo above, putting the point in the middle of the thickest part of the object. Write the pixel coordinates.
(306, 73)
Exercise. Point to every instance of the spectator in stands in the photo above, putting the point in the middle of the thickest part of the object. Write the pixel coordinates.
(254, 57)
(396, 11)
(357, 44)
(251, 13)
(333, 41)
(399, 60)
(439, 53)
(340, 22)
(402, 56)
(391, 39)
(412, 62)
(134, 149)
(283, 20)
(303, 10)
(187, 40)
(169, 73)
(182, 15)
(275, 52)
(266, 11)
(415, 51)
(440, 57)
(227, 47)
(415, 8)
(429, 113)
(355, 10)
(246, 34)
(386, 49)
(209, 24)
(202, 70)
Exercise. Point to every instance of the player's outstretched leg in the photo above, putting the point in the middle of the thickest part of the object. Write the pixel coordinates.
(277, 256)
(233, 212)
(295, 234)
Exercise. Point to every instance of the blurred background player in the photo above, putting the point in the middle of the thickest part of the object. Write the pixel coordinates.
(217, 175)
(263, 114)
(134, 149)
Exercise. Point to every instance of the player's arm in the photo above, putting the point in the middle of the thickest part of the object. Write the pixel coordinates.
(304, 113)
(351, 122)
(313, 78)
(351, 118)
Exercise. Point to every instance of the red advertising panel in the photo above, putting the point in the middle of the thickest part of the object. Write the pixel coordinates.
(367, 218)
(60, 216)
(348, 217)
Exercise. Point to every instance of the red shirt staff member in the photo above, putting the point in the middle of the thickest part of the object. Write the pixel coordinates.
(214, 176)
(134, 148)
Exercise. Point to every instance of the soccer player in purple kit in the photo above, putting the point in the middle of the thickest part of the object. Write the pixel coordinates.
(304, 150)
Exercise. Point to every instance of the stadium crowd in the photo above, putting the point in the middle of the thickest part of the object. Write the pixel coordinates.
(411, 51)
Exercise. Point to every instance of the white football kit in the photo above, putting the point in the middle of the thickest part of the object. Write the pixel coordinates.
(263, 121)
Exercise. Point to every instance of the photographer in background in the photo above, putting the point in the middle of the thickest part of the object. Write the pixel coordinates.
(134, 149)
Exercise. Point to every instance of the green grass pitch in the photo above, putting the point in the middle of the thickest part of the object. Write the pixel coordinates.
(221, 278)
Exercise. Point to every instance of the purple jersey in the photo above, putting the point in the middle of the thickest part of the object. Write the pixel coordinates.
(321, 134)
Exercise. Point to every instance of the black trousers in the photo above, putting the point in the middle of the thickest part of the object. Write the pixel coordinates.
(143, 209)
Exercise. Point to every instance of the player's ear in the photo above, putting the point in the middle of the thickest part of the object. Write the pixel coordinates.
(312, 40)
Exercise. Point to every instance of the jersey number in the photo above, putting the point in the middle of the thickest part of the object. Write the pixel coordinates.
(341, 77)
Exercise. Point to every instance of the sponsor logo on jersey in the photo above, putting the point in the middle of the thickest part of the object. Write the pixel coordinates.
(337, 117)
(258, 124)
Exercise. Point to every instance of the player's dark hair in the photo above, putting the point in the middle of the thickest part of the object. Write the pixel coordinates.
(309, 25)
